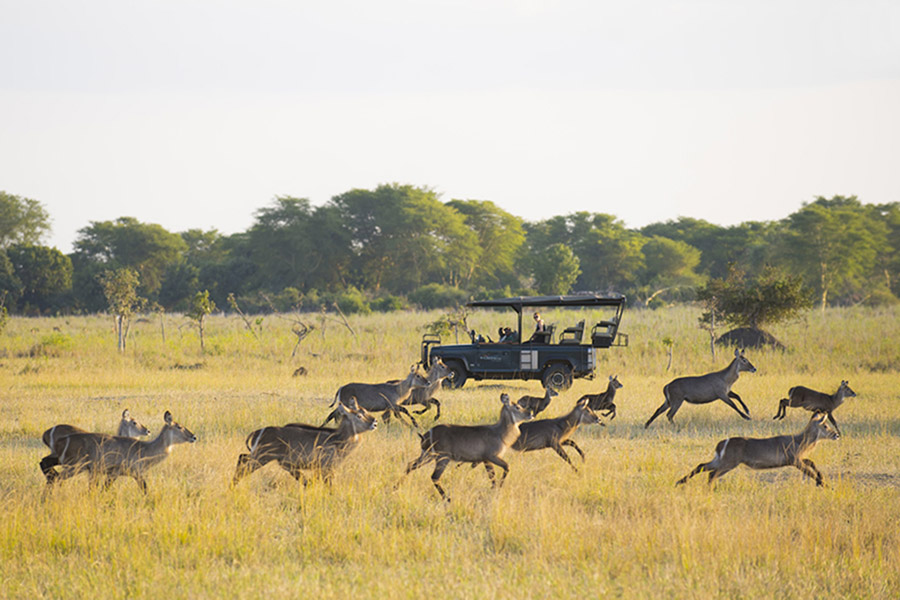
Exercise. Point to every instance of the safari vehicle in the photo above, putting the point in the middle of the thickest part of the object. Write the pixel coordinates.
(555, 361)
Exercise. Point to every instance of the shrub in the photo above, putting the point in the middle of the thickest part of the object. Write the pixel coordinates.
(435, 295)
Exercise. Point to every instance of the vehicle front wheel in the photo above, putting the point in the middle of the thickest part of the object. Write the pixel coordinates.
(457, 376)
(557, 376)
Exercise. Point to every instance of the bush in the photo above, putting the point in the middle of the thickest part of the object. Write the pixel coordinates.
(435, 295)
(388, 304)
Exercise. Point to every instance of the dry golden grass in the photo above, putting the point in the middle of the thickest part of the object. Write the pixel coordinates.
(617, 528)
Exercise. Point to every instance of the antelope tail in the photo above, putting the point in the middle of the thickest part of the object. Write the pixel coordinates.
(337, 397)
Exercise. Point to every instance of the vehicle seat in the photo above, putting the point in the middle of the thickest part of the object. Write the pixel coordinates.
(572, 335)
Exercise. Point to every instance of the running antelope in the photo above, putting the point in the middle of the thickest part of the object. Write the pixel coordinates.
(603, 402)
(113, 456)
(701, 389)
(472, 444)
(555, 433)
(128, 427)
(378, 397)
(424, 396)
(769, 453)
(297, 446)
(815, 401)
(537, 404)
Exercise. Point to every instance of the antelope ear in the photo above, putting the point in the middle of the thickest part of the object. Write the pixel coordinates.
(168, 418)
(504, 398)
(611, 377)
(737, 352)
(125, 414)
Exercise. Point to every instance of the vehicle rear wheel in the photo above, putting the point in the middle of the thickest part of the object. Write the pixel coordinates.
(457, 376)
(557, 376)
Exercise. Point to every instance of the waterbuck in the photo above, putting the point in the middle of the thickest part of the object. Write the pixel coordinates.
(603, 402)
(435, 375)
(701, 389)
(537, 404)
(815, 401)
(769, 453)
(112, 456)
(472, 444)
(297, 446)
(128, 427)
(554, 433)
(378, 397)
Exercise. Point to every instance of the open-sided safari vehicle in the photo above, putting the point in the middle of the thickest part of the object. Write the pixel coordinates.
(556, 361)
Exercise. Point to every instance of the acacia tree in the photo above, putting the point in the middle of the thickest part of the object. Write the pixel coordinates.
(769, 298)
(120, 288)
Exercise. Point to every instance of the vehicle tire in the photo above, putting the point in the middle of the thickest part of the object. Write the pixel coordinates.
(457, 377)
(557, 376)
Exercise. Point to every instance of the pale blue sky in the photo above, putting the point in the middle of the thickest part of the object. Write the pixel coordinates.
(193, 114)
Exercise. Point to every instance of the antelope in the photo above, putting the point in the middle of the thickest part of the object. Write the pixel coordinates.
(297, 446)
(472, 444)
(701, 389)
(114, 456)
(815, 401)
(377, 397)
(554, 433)
(424, 396)
(769, 453)
(128, 427)
(604, 401)
(537, 404)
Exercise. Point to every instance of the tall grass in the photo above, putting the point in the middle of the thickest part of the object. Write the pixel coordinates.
(618, 528)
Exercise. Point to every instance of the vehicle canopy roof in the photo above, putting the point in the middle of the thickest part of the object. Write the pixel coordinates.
(581, 299)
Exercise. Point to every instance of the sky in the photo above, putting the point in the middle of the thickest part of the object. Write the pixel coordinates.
(197, 113)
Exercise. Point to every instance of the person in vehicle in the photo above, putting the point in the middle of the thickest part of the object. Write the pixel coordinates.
(539, 329)
(507, 336)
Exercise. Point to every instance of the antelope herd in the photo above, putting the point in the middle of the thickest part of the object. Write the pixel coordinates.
(298, 447)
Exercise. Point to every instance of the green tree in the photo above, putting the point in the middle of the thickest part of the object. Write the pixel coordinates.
(201, 307)
(555, 270)
(22, 221)
(146, 248)
(403, 237)
(834, 243)
(294, 245)
(772, 297)
(499, 236)
(120, 288)
(44, 275)
(669, 265)
(609, 255)
(10, 286)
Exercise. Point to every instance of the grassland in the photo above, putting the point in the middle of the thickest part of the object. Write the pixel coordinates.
(619, 528)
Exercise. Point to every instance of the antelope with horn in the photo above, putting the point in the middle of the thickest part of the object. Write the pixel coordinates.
(128, 427)
(113, 456)
(472, 444)
(297, 446)
(769, 453)
(701, 389)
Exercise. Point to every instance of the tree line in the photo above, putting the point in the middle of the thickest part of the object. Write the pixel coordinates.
(400, 245)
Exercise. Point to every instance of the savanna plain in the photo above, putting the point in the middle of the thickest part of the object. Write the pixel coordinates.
(617, 528)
